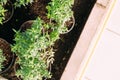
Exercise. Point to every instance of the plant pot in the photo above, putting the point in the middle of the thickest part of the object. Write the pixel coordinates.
(16, 66)
(26, 25)
(5, 47)
(37, 27)
(69, 24)
(10, 10)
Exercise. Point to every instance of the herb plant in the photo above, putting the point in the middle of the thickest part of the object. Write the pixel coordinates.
(2, 14)
(60, 11)
(20, 3)
(34, 47)
(2, 10)
(34, 52)
(2, 59)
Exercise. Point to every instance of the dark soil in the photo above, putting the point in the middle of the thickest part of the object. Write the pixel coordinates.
(38, 8)
(67, 42)
(5, 47)
(69, 23)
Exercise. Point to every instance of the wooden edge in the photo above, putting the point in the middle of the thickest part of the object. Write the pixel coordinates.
(96, 18)
(103, 3)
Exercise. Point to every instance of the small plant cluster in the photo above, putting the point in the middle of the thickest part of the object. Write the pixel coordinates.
(20, 3)
(2, 59)
(60, 11)
(2, 10)
(30, 48)
(34, 47)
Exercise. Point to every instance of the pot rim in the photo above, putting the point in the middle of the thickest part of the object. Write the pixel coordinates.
(22, 26)
(73, 18)
(12, 61)
(5, 21)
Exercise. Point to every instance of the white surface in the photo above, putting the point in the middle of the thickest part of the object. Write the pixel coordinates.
(114, 21)
(105, 61)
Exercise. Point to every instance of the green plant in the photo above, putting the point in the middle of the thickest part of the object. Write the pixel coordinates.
(2, 59)
(20, 3)
(2, 11)
(2, 2)
(60, 11)
(34, 47)
(34, 51)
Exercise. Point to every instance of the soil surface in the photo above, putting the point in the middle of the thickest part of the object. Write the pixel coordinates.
(5, 47)
(67, 42)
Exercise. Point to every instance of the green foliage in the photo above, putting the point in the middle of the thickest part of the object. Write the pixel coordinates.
(33, 50)
(2, 10)
(60, 11)
(2, 59)
(34, 47)
(20, 3)
(2, 2)
(2, 14)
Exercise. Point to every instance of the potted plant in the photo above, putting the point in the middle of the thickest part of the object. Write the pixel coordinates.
(6, 57)
(2, 15)
(6, 11)
(61, 12)
(49, 33)
(35, 41)
(34, 52)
